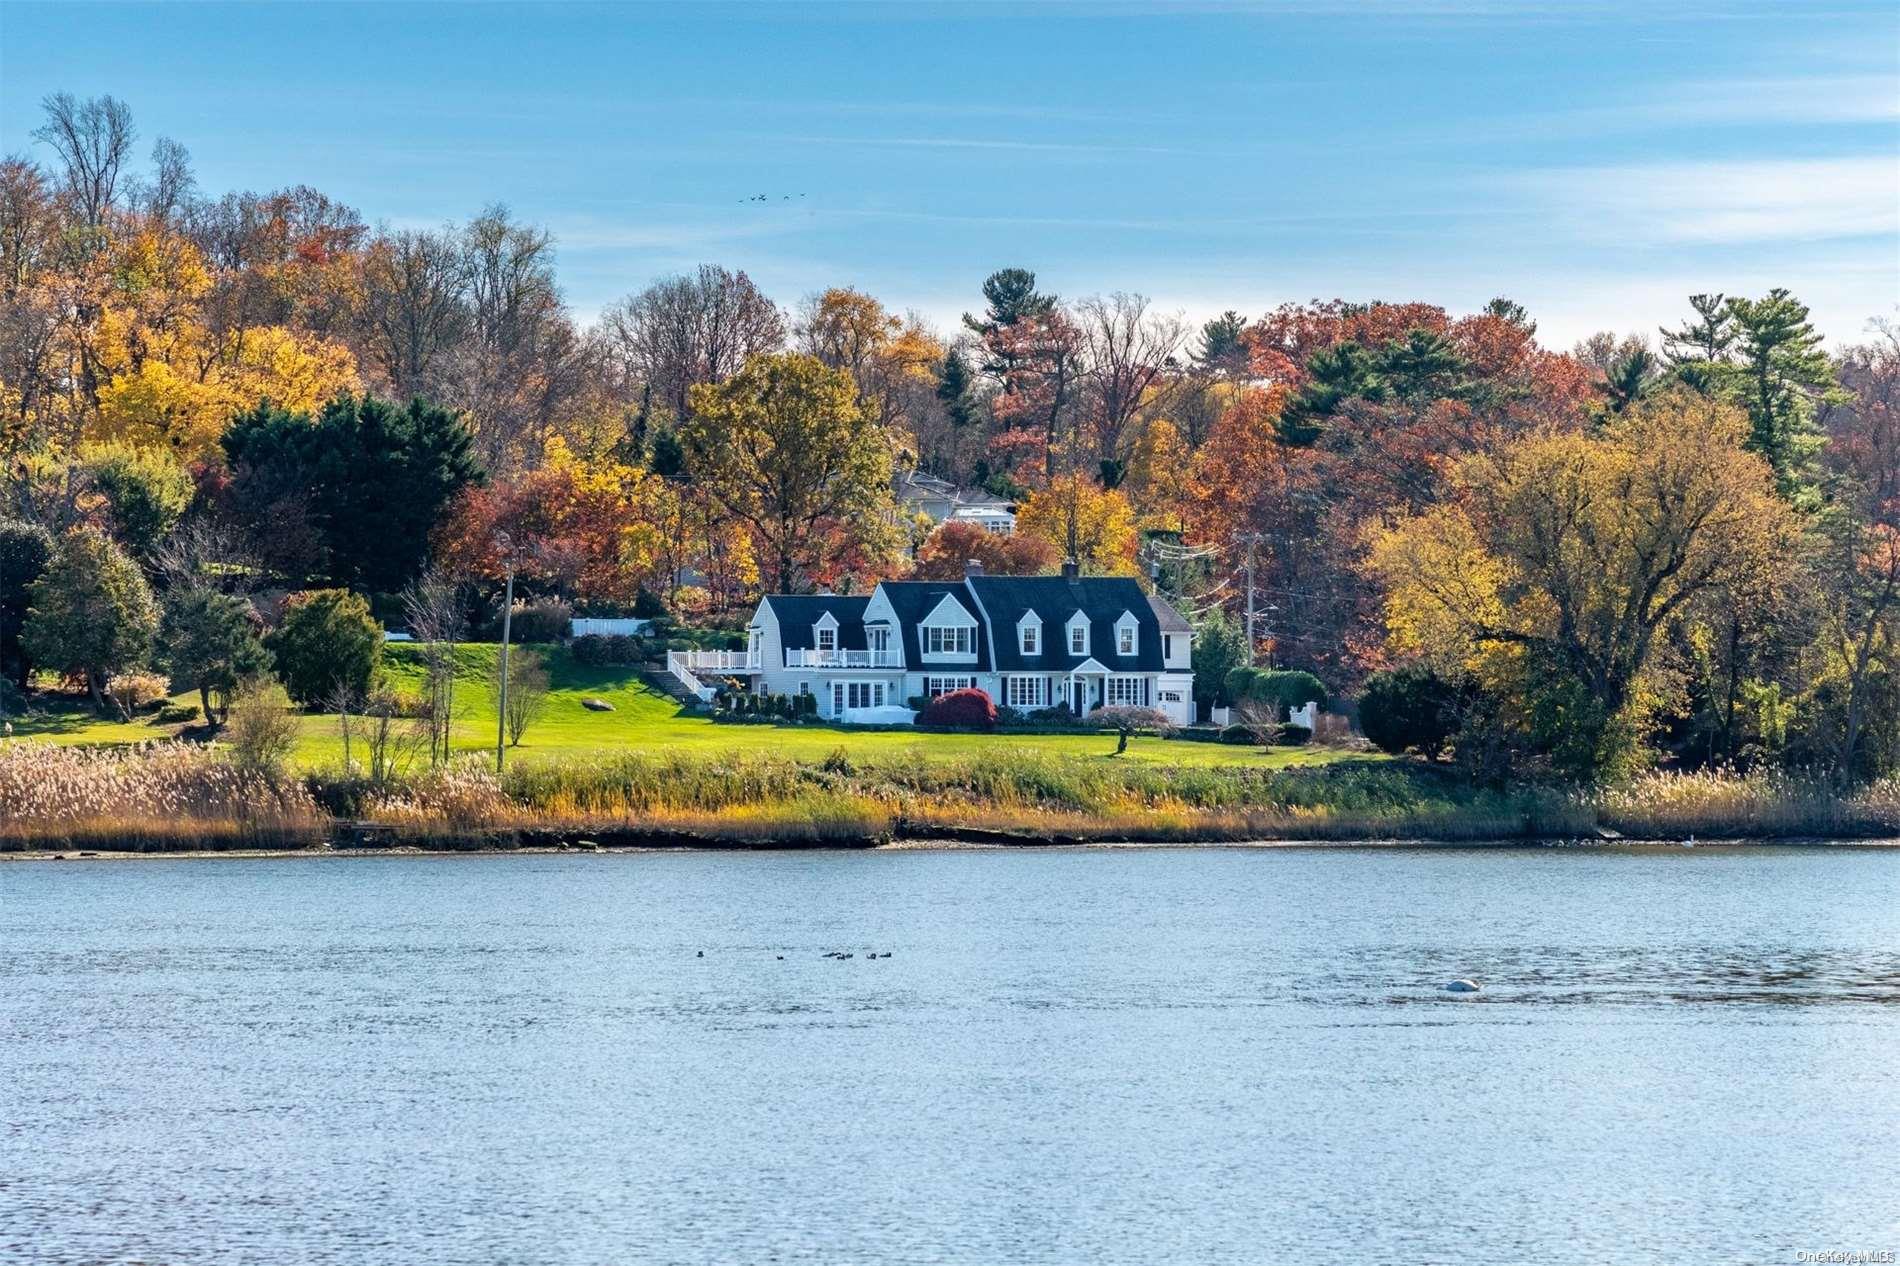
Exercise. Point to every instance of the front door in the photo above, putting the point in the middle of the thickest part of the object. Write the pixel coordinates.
(1078, 696)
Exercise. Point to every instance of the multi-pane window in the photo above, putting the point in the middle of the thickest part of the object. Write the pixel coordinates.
(856, 694)
(960, 640)
(1124, 691)
(1078, 639)
(1125, 640)
(934, 686)
(1031, 637)
(827, 639)
(1026, 692)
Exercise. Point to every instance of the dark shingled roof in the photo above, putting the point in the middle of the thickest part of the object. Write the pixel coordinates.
(1054, 599)
(798, 612)
(1170, 620)
(915, 599)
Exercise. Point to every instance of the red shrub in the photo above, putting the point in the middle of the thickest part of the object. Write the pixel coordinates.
(960, 710)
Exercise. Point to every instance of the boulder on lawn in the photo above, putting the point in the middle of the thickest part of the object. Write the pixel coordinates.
(597, 705)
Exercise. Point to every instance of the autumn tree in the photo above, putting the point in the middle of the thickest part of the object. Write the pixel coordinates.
(690, 330)
(1130, 352)
(1857, 643)
(93, 139)
(1561, 559)
(527, 692)
(143, 492)
(783, 447)
(956, 542)
(1040, 384)
(588, 531)
(1083, 521)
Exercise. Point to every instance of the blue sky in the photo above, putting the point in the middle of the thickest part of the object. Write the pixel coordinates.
(1596, 161)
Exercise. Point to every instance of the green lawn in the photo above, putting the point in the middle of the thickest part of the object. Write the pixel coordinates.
(644, 719)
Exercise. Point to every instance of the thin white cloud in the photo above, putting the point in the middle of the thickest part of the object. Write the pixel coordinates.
(1745, 201)
(980, 143)
(1804, 101)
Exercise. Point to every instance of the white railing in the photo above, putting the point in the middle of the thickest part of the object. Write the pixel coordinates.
(685, 667)
(716, 661)
(798, 658)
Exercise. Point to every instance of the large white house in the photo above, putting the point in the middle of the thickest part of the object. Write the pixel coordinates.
(1028, 641)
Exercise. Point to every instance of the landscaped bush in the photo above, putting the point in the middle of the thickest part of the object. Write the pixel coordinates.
(544, 621)
(968, 709)
(1288, 689)
(262, 728)
(175, 714)
(1293, 736)
(1409, 707)
(327, 639)
(1238, 735)
(605, 650)
(133, 691)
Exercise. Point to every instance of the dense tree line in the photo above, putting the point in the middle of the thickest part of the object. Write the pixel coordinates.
(1681, 546)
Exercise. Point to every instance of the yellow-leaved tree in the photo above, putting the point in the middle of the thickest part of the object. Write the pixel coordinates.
(784, 448)
(1554, 565)
(1093, 525)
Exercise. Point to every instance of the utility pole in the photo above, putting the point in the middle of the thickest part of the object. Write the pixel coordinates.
(507, 623)
(1253, 539)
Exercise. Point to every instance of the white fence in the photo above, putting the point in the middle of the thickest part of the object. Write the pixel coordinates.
(607, 628)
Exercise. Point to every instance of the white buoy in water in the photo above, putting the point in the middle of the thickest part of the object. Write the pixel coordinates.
(1464, 986)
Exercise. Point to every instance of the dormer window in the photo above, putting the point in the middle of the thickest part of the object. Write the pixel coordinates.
(960, 640)
(1029, 633)
(1127, 635)
(949, 632)
(1078, 634)
(827, 638)
(824, 634)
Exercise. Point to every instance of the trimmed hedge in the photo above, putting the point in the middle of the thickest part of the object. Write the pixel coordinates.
(1288, 688)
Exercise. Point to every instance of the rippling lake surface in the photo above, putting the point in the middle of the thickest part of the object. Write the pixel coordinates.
(1216, 1055)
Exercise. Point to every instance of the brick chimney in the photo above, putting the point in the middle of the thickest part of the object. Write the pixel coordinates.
(1071, 570)
(972, 567)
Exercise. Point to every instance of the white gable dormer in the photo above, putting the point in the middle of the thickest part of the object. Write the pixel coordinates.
(824, 634)
(1029, 633)
(1076, 631)
(948, 634)
(1127, 635)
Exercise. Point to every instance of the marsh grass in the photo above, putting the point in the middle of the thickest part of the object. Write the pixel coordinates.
(175, 796)
(1759, 805)
(161, 796)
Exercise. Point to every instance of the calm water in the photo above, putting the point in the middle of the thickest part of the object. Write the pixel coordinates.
(1141, 1056)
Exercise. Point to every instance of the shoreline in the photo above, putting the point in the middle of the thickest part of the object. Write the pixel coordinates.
(942, 845)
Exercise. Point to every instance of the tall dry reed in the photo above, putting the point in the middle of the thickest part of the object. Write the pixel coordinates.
(154, 796)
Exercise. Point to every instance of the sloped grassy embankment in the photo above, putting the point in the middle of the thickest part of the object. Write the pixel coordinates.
(177, 797)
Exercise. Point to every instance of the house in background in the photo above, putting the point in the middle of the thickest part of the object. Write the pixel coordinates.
(1029, 642)
(939, 500)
